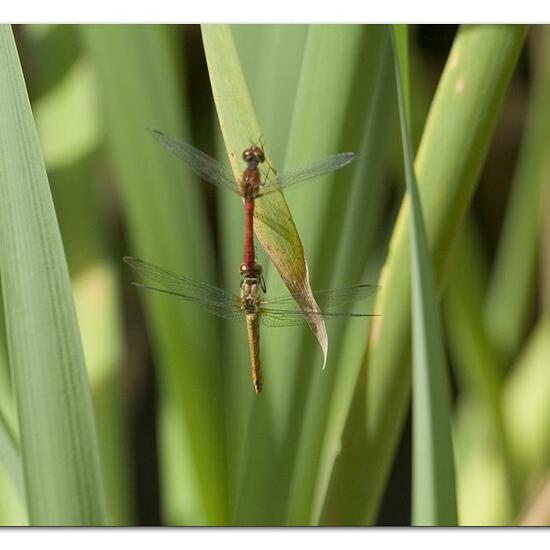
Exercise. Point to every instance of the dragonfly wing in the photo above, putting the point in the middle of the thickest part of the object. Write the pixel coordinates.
(284, 312)
(202, 164)
(301, 174)
(274, 318)
(270, 214)
(328, 299)
(213, 299)
(287, 318)
(220, 310)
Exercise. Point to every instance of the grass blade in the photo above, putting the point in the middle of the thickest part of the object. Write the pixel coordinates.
(462, 117)
(273, 98)
(484, 489)
(512, 285)
(58, 439)
(69, 106)
(347, 233)
(527, 406)
(239, 125)
(281, 48)
(325, 98)
(12, 483)
(400, 49)
(166, 216)
(434, 498)
(10, 453)
(474, 357)
(9, 456)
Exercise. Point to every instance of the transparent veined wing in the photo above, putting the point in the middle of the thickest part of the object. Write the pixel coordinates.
(277, 219)
(269, 213)
(213, 299)
(289, 318)
(202, 164)
(295, 176)
(333, 304)
(328, 299)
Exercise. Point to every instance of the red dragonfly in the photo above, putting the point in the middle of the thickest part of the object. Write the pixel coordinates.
(251, 187)
(249, 306)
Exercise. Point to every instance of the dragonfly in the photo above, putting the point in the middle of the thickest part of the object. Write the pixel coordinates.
(249, 306)
(251, 187)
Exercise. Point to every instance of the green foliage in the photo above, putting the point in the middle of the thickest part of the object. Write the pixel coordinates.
(318, 445)
(462, 116)
(59, 450)
(434, 498)
(137, 72)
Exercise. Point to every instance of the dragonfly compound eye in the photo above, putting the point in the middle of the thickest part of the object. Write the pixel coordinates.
(259, 154)
(254, 154)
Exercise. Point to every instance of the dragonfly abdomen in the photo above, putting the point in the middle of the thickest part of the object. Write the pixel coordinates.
(253, 328)
(249, 256)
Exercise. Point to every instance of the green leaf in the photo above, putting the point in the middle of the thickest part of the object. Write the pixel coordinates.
(55, 118)
(513, 278)
(400, 36)
(9, 456)
(10, 453)
(450, 157)
(434, 498)
(329, 115)
(341, 238)
(56, 422)
(68, 122)
(239, 125)
(527, 405)
(166, 217)
(474, 357)
(273, 92)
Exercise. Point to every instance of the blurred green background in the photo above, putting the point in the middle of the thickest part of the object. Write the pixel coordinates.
(182, 437)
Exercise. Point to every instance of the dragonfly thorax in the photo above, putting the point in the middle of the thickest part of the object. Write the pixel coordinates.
(251, 182)
(251, 295)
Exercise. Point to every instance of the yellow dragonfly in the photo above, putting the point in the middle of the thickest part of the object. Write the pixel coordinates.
(250, 305)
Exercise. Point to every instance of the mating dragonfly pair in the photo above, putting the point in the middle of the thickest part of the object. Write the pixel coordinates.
(250, 306)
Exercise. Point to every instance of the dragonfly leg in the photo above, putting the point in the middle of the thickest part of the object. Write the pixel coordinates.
(270, 168)
(262, 283)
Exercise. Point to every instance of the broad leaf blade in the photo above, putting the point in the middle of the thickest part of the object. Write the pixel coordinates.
(239, 125)
(58, 439)
(512, 283)
(272, 92)
(434, 495)
(339, 93)
(167, 225)
(462, 117)
(9, 456)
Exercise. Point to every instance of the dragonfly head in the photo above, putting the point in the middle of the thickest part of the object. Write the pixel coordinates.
(245, 271)
(254, 155)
